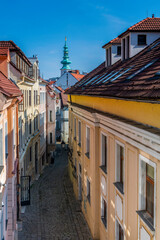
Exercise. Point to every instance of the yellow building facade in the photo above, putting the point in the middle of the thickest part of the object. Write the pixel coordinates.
(96, 182)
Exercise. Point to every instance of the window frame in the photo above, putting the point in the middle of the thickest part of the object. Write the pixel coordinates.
(79, 133)
(88, 191)
(75, 128)
(105, 222)
(88, 145)
(103, 166)
(140, 207)
(118, 182)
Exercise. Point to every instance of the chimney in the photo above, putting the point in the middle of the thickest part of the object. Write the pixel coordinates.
(153, 15)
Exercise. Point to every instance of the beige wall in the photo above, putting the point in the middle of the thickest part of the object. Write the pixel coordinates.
(130, 222)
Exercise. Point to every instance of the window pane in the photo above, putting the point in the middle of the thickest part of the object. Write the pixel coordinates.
(150, 198)
(150, 171)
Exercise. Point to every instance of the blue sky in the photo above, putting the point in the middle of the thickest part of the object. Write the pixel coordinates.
(40, 27)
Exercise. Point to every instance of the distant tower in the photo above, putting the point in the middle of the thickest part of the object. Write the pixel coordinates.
(65, 60)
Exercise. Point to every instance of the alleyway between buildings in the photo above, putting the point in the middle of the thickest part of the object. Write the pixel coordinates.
(54, 214)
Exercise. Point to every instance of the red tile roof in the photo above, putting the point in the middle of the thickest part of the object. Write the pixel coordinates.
(52, 82)
(136, 78)
(64, 99)
(78, 76)
(8, 88)
(13, 47)
(113, 41)
(4, 51)
(147, 24)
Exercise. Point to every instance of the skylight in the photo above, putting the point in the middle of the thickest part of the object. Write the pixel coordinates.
(141, 69)
(119, 75)
(104, 76)
(154, 46)
(114, 74)
(91, 79)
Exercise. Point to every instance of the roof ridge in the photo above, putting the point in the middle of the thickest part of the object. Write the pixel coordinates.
(137, 24)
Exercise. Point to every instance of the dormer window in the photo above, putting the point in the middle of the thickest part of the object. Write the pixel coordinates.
(142, 39)
(118, 50)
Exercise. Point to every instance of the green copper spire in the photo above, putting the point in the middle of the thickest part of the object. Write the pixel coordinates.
(65, 60)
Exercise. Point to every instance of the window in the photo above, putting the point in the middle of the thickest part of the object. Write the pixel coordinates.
(6, 140)
(30, 98)
(79, 133)
(6, 212)
(104, 211)
(43, 159)
(88, 191)
(30, 126)
(119, 231)
(120, 167)
(1, 147)
(104, 153)
(50, 113)
(51, 141)
(147, 186)
(124, 49)
(34, 97)
(30, 154)
(74, 128)
(142, 40)
(88, 142)
(150, 190)
(118, 50)
(128, 46)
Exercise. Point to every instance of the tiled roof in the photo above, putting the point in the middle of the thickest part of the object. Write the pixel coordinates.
(135, 78)
(8, 87)
(113, 41)
(4, 51)
(147, 24)
(64, 99)
(13, 47)
(78, 76)
(52, 82)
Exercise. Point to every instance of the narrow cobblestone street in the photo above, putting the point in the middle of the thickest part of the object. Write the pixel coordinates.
(54, 212)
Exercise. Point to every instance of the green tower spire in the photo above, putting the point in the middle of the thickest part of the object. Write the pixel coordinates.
(65, 60)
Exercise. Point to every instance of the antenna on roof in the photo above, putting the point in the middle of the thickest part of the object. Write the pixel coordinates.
(153, 15)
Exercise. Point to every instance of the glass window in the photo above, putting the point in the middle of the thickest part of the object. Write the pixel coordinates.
(142, 39)
(150, 189)
(88, 191)
(118, 50)
(88, 142)
(120, 166)
(104, 152)
(104, 211)
(79, 133)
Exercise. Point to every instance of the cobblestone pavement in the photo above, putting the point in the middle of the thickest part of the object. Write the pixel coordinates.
(54, 213)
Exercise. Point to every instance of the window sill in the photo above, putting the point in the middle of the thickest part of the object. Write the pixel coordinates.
(147, 219)
(87, 155)
(103, 168)
(119, 186)
(104, 222)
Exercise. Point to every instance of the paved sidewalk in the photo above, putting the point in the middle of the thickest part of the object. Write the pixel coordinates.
(54, 214)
